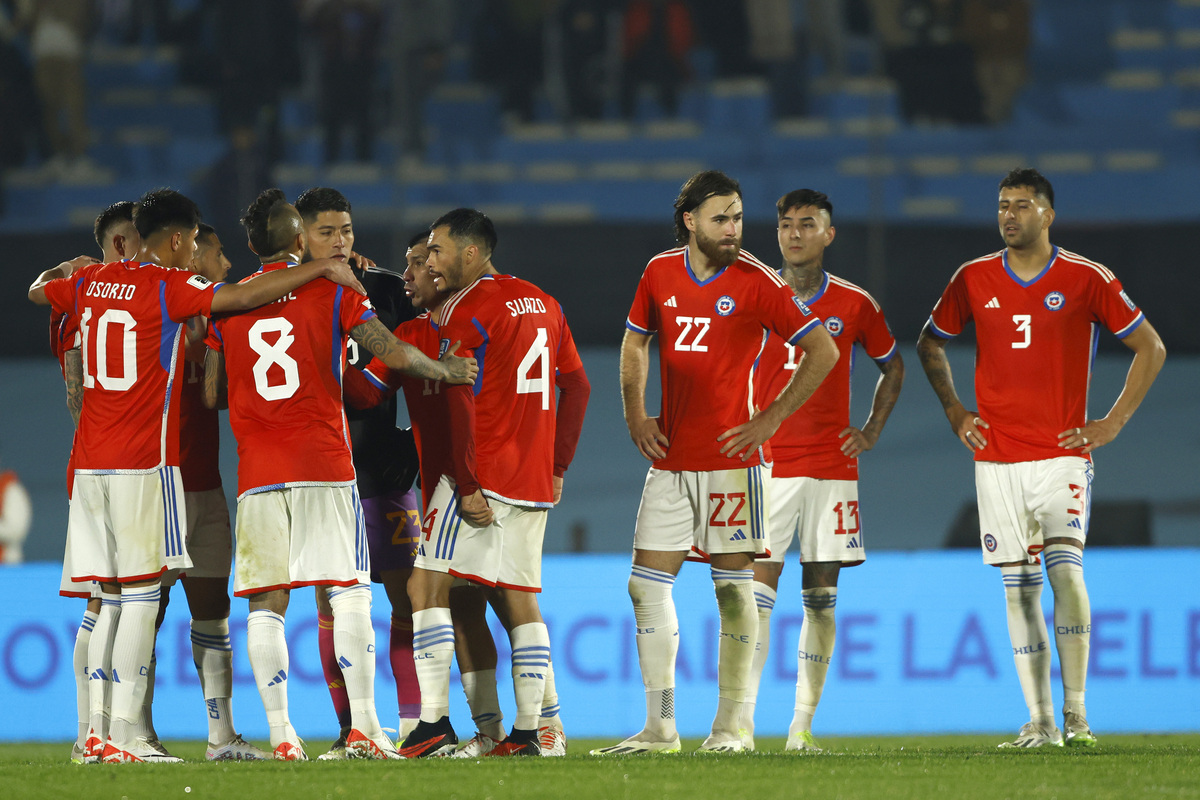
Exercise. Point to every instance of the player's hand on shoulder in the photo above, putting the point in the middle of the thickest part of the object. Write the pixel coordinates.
(459, 369)
(856, 442)
(649, 438)
(475, 510)
(969, 427)
(340, 273)
(1096, 433)
(78, 262)
(361, 261)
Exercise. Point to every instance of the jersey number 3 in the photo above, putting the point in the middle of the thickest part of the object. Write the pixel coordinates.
(1023, 326)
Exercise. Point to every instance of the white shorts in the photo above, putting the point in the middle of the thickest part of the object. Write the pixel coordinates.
(69, 588)
(303, 536)
(209, 539)
(507, 553)
(1023, 504)
(825, 516)
(126, 527)
(722, 511)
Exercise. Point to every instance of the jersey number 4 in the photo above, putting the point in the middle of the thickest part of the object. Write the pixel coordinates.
(533, 373)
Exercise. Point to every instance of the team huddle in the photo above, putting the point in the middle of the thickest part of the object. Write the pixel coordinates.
(753, 447)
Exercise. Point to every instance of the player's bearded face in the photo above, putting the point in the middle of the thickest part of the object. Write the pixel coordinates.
(722, 249)
(1022, 216)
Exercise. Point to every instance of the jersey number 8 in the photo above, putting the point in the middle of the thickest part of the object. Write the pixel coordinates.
(274, 355)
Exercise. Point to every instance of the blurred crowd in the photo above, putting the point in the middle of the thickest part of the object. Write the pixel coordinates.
(367, 65)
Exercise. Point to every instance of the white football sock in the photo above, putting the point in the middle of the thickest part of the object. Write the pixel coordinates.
(268, 651)
(764, 598)
(79, 663)
(480, 689)
(550, 706)
(817, 635)
(433, 650)
(132, 654)
(530, 660)
(1027, 633)
(657, 645)
(213, 656)
(144, 727)
(1072, 621)
(739, 634)
(100, 664)
(354, 645)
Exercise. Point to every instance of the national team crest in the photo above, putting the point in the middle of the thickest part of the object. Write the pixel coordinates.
(1054, 301)
(725, 305)
(989, 542)
(834, 325)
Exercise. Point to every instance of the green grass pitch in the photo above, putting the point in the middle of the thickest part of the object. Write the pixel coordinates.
(892, 768)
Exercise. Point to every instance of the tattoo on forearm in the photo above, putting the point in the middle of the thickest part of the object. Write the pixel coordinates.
(377, 339)
(74, 370)
(937, 369)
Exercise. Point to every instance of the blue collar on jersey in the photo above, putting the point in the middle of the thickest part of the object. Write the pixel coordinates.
(1036, 278)
(687, 262)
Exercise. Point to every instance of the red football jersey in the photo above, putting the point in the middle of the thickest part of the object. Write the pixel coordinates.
(131, 321)
(807, 444)
(284, 363)
(711, 334)
(199, 432)
(1035, 342)
(520, 338)
(427, 409)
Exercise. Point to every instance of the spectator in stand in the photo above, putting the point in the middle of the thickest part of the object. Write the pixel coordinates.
(656, 43)
(510, 51)
(58, 43)
(585, 47)
(777, 44)
(20, 132)
(925, 53)
(347, 35)
(998, 31)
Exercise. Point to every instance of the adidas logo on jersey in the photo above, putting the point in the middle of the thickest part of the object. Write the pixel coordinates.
(1075, 524)
(993, 303)
(671, 303)
(738, 537)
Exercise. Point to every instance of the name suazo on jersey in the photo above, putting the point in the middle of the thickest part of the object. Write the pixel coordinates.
(131, 320)
(711, 334)
(1036, 343)
(520, 338)
(807, 444)
(284, 363)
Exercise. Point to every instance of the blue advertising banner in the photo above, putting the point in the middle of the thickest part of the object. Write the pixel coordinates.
(922, 647)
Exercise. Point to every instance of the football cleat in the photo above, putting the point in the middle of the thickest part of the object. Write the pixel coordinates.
(135, 752)
(430, 740)
(524, 743)
(1034, 735)
(747, 737)
(553, 741)
(288, 750)
(93, 747)
(478, 745)
(238, 749)
(1078, 732)
(721, 743)
(337, 751)
(407, 725)
(638, 744)
(379, 748)
(802, 742)
(77, 754)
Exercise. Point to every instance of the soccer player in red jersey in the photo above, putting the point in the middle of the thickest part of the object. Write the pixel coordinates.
(385, 463)
(814, 480)
(1037, 310)
(475, 650)
(299, 518)
(126, 522)
(519, 334)
(707, 492)
(118, 239)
